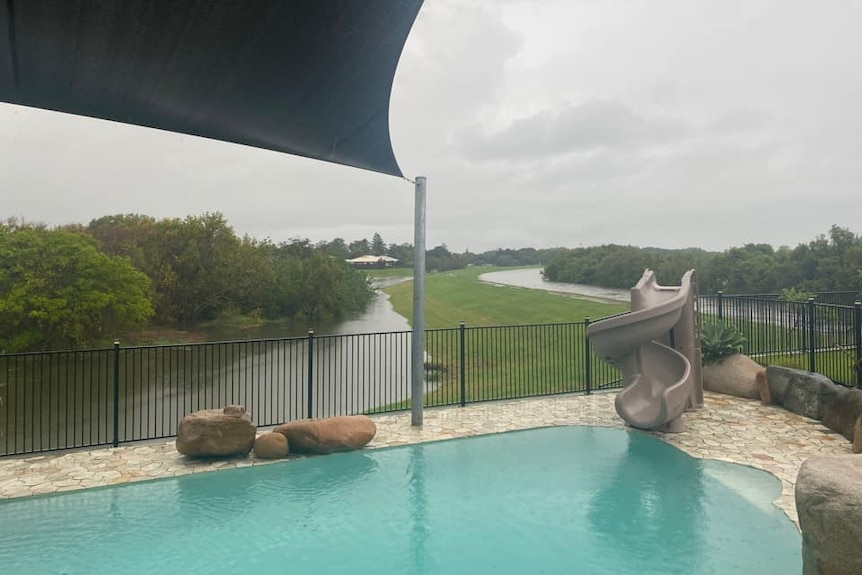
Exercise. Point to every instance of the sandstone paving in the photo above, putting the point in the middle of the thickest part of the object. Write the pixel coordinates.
(727, 429)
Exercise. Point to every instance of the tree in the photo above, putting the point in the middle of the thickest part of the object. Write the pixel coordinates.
(359, 248)
(378, 246)
(57, 290)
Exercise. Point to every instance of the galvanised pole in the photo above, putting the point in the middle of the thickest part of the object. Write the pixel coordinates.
(418, 338)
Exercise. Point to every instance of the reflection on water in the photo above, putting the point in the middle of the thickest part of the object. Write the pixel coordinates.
(378, 317)
(554, 500)
(532, 279)
(51, 401)
(654, 494)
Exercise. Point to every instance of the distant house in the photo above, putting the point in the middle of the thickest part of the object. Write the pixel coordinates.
(372, 262)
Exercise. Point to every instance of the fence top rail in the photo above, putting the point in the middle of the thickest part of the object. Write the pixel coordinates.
(813, 294)
(88, 350)
(510, 326)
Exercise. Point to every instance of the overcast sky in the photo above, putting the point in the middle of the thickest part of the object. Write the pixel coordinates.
(539, 123)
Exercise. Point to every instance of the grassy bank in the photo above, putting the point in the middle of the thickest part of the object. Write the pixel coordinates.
(390, 272)
(518, 357)
(452, 297)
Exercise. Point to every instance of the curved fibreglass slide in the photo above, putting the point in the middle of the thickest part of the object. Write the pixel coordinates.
(660, 382)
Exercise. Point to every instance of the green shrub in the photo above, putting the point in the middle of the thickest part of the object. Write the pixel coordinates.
(718, 340)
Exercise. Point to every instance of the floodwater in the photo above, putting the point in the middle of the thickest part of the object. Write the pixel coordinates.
(51, 401)
(532, 279)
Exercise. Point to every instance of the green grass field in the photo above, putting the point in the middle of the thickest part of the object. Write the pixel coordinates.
(517, 342)
(453, 297)
(390, 273)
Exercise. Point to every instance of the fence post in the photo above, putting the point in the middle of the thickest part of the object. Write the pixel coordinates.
(116, 441)
(462, 365)
(720, 305)
(310, 388)
(588, 375)
(812, 364)
(857, 340)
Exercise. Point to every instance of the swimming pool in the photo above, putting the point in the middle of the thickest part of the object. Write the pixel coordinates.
(554, 500)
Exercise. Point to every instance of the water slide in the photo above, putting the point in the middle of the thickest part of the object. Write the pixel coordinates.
(656, 346)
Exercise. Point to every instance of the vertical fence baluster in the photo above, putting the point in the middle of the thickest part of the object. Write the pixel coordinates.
(116, 441)
(811, 336)
(588, 376)
(462, 368)
(310, 382)
(857, 341)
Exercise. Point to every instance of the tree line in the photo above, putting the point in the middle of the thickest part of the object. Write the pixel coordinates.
(76, 286)
(830, 262)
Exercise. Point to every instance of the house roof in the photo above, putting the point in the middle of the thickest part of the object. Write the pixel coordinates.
(305, 77)
(369, 259)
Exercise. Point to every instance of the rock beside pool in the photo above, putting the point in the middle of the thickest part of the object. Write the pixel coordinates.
(763, 387)
(829, 504)
(271, 446)
(733, 375)
(857, 436)
(216, 433)
(842, 412)
(328, 435)
(800, 391)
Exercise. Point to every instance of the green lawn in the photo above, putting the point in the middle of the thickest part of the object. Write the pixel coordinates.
(452, 297)
(390, 272)
(517, 342)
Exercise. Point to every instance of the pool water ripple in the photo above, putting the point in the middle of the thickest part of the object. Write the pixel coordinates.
(552, 500)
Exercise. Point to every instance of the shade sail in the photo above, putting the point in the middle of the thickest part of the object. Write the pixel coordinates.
(305, 77)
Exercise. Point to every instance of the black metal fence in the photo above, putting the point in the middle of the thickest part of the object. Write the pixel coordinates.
(819, 337)
(69, 399)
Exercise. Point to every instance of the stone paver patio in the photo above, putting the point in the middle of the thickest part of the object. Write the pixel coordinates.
(727, 429)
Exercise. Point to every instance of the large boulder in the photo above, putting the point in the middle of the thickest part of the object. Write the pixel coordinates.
(271, 446)
(763, 387)
(829, 504)
(841, 413)
(857, 436)
(800, 391)
(733, 375)
(329, 435)
(216, 433)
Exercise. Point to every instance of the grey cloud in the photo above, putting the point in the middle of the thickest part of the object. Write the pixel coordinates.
(591, 126)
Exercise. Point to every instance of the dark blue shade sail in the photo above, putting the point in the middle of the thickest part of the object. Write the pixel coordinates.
(305, 77)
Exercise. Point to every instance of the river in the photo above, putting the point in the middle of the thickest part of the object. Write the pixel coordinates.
(532, 279)
(54, 401)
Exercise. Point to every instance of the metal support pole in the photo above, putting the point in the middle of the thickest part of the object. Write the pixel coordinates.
(417, 383)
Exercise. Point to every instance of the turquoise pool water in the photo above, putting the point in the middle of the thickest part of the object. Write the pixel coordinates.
(557, 500)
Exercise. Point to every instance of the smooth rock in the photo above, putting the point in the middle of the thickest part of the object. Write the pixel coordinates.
(857, 436)
(843, 411)
(271, 446)
(214, 433)
(733, 375)
(800, 391)
(234, 410)
(829, 504)
(328, 435)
